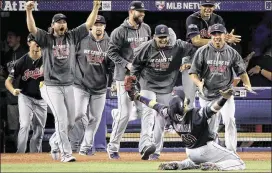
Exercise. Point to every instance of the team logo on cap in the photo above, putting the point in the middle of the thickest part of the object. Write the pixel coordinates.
(216, 26)
(163, 30)
(98, 18)
(160, 5)
(142, 5)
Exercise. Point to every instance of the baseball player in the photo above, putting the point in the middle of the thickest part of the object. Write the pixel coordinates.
(32, 108)
(156, 64)
(197, 25)
(192, 126)
(212, 71)
(59, 60)
(123, 40)
(91, 79)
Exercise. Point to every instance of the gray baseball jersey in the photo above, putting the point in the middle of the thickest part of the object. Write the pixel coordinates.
(215, 67)
(59, 65)
(93, 65)
(157, 69)
(32, 108)
(122, 42)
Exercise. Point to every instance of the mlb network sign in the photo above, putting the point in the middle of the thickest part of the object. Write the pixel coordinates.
(15, 5)
(181, 5)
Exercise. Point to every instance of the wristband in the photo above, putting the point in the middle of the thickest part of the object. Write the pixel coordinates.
(221, 101)
(260, 72)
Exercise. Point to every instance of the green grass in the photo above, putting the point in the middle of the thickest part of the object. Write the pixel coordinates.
(252, 166)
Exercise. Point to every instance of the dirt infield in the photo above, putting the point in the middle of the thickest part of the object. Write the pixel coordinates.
(127, 157)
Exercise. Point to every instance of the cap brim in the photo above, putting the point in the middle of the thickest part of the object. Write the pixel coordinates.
(211, 4)
(217, 31)
(141, 9)
(101, 22)
(63, 18)
(162, 35)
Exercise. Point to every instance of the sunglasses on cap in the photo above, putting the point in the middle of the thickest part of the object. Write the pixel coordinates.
(207, 5)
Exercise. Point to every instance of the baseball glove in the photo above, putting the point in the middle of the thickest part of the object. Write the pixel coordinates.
(227, 93)
(168, 166)
(131, 86)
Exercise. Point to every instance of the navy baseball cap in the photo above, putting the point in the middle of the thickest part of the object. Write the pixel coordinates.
(207, 2)
(100, 19)
(161, 31)
(137, 5)
(217, 28)
(58, 17)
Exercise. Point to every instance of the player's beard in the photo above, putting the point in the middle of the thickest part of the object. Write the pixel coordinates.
(138, 19)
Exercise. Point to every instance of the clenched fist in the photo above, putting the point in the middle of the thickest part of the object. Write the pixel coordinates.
(16, 92)
(30, 5)
(97, 3)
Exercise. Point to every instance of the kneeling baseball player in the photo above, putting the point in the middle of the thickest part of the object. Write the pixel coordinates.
(192, 126)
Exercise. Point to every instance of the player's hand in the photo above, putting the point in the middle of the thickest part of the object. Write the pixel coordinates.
(113, 87)
(254, 70)
(248, 58)
(227, 94)
(184, 67)
(96, 4)
(249, 89)
(129, 66)
(231, 38)
(16, 92)
(30, 5)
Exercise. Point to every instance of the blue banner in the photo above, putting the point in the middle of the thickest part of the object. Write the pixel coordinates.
(152, 5)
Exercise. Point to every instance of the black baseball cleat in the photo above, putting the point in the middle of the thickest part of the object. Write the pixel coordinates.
(147, 151)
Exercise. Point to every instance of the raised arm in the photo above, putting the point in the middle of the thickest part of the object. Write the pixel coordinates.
(92, 17)
(29, 18)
